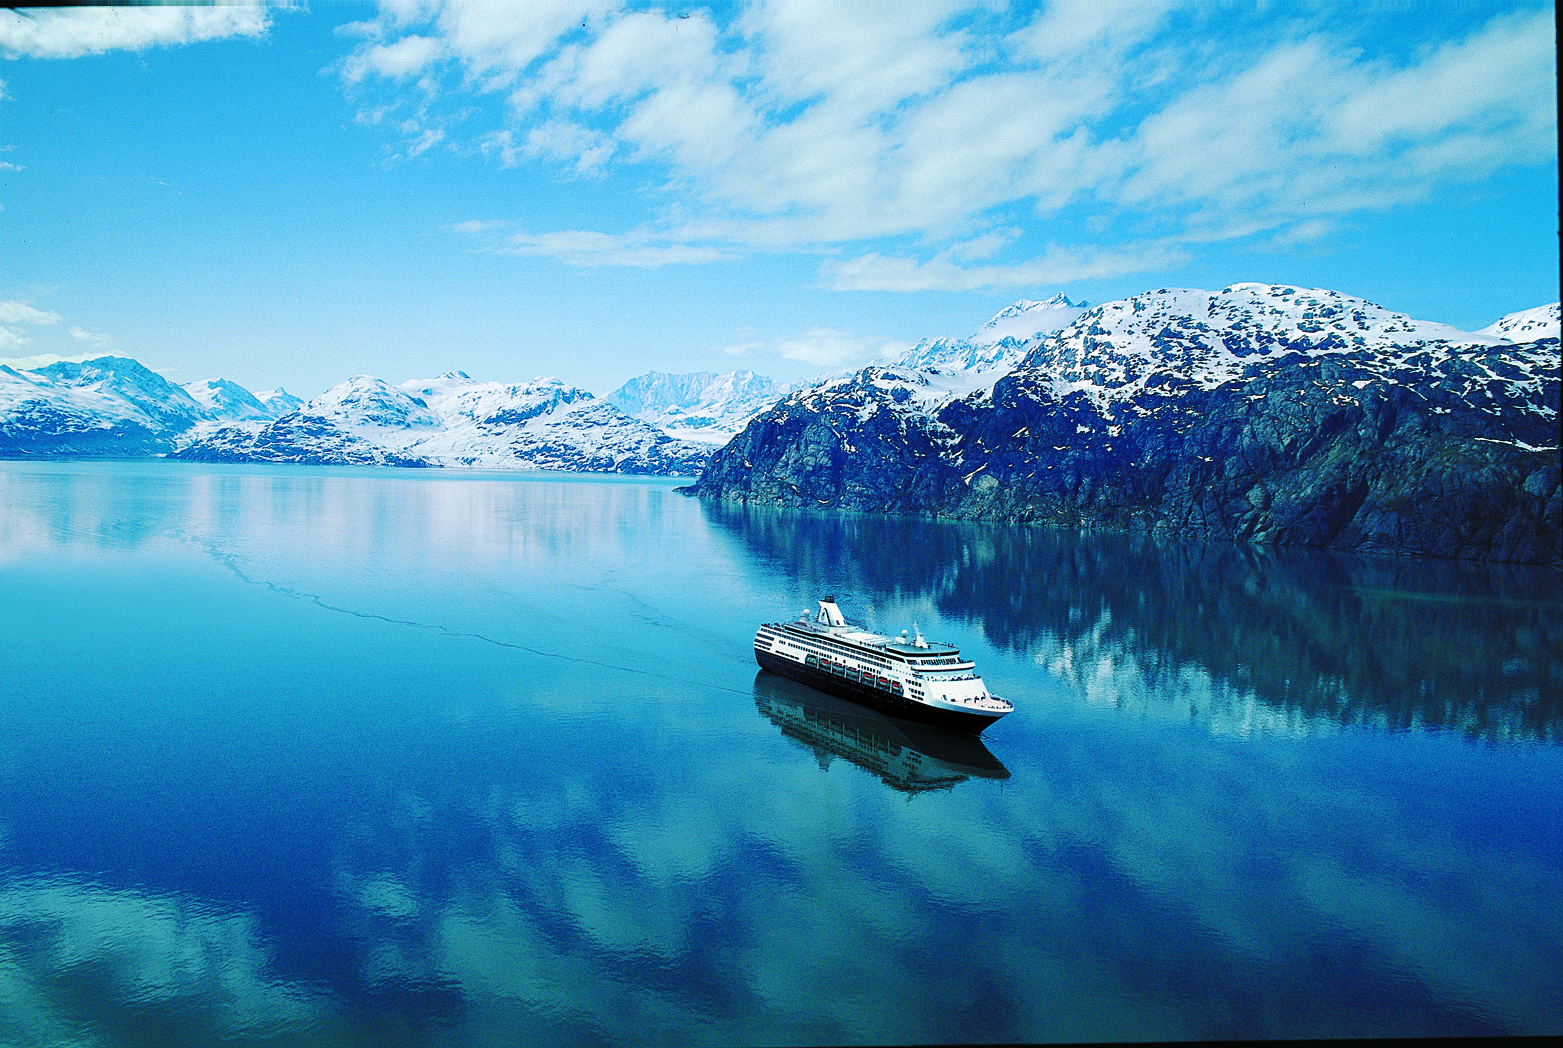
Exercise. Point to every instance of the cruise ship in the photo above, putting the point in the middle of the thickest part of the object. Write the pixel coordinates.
(905, 677)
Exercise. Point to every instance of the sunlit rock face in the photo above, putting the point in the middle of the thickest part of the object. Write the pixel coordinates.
(1260, 412)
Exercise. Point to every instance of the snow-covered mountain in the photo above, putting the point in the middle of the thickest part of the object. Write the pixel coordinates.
(111, 405)
(229, 401)
(1527, 324)
(703, 406)
(117, 406)
(1026, 319)
(999, 344)
(544, 424)
(1264, 412)
(455, 420)
(1181, 337)
(278, 401)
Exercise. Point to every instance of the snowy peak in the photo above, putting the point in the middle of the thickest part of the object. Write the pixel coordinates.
(228, 401)
(364, 400)
(455, 420)
(1527, 325)
(1211, 337)
(126, 380)
(110, 390)
(958, 354)
(1001, 343)
(447, 384)
(1027, 319)
(455, 396)
(279, 401)
(702, 406)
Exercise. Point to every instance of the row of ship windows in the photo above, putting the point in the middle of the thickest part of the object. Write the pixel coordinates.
(822, 650)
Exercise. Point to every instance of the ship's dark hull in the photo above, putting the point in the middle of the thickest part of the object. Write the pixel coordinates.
(876, 741)
(872, 697)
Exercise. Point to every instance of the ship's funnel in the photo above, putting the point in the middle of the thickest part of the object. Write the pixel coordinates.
(829, 614)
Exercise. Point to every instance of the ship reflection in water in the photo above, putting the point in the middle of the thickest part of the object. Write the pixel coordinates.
(906, 756)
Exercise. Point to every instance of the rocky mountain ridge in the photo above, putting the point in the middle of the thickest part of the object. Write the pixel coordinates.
(1260, 412)
(114, 406)
(117, 407)
(454, 420)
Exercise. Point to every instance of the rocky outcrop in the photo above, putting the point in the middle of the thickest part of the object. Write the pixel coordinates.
(1295, 418)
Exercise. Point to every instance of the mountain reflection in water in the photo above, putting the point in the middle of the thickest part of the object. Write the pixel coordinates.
(909, 757)
(1241, 637)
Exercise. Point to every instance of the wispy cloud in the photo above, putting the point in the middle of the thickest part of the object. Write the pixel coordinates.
(826, 348)
(875, 272)
(97, 338)
(582, 247)
(926, 135)
(14, 312)
(73, 32)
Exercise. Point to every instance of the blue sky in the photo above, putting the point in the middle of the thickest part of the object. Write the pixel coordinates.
(290, 196)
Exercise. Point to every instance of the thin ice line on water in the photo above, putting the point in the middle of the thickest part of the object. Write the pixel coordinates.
(230, 562)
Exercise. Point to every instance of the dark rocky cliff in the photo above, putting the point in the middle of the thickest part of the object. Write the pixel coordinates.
(1426, 448)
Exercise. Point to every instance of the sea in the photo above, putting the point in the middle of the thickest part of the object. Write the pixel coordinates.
(297, 755)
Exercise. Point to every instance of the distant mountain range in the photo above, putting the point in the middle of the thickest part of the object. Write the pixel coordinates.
(454, 420)
(1259, 412)
(115, 406)
(1262, 412)
(703, 407)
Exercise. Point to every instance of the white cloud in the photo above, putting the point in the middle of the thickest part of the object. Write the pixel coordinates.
(97, 338)
(77, 31)
(937, 130)
(876, 272)
(580, 247)
(563, 140)
(826, 348)
(410, 54)
(14, 312)
(425, 141)
(1309, 129)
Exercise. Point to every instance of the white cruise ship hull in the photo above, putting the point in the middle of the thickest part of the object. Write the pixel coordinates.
(873, 696)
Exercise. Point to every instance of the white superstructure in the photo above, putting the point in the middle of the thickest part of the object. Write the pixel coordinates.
(901, 675)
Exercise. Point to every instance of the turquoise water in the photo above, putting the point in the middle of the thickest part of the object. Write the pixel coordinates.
(298, 755)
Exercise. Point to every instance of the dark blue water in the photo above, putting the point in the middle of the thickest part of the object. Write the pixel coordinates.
(303, 756)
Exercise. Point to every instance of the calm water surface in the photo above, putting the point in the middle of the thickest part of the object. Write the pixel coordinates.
(302, 756)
